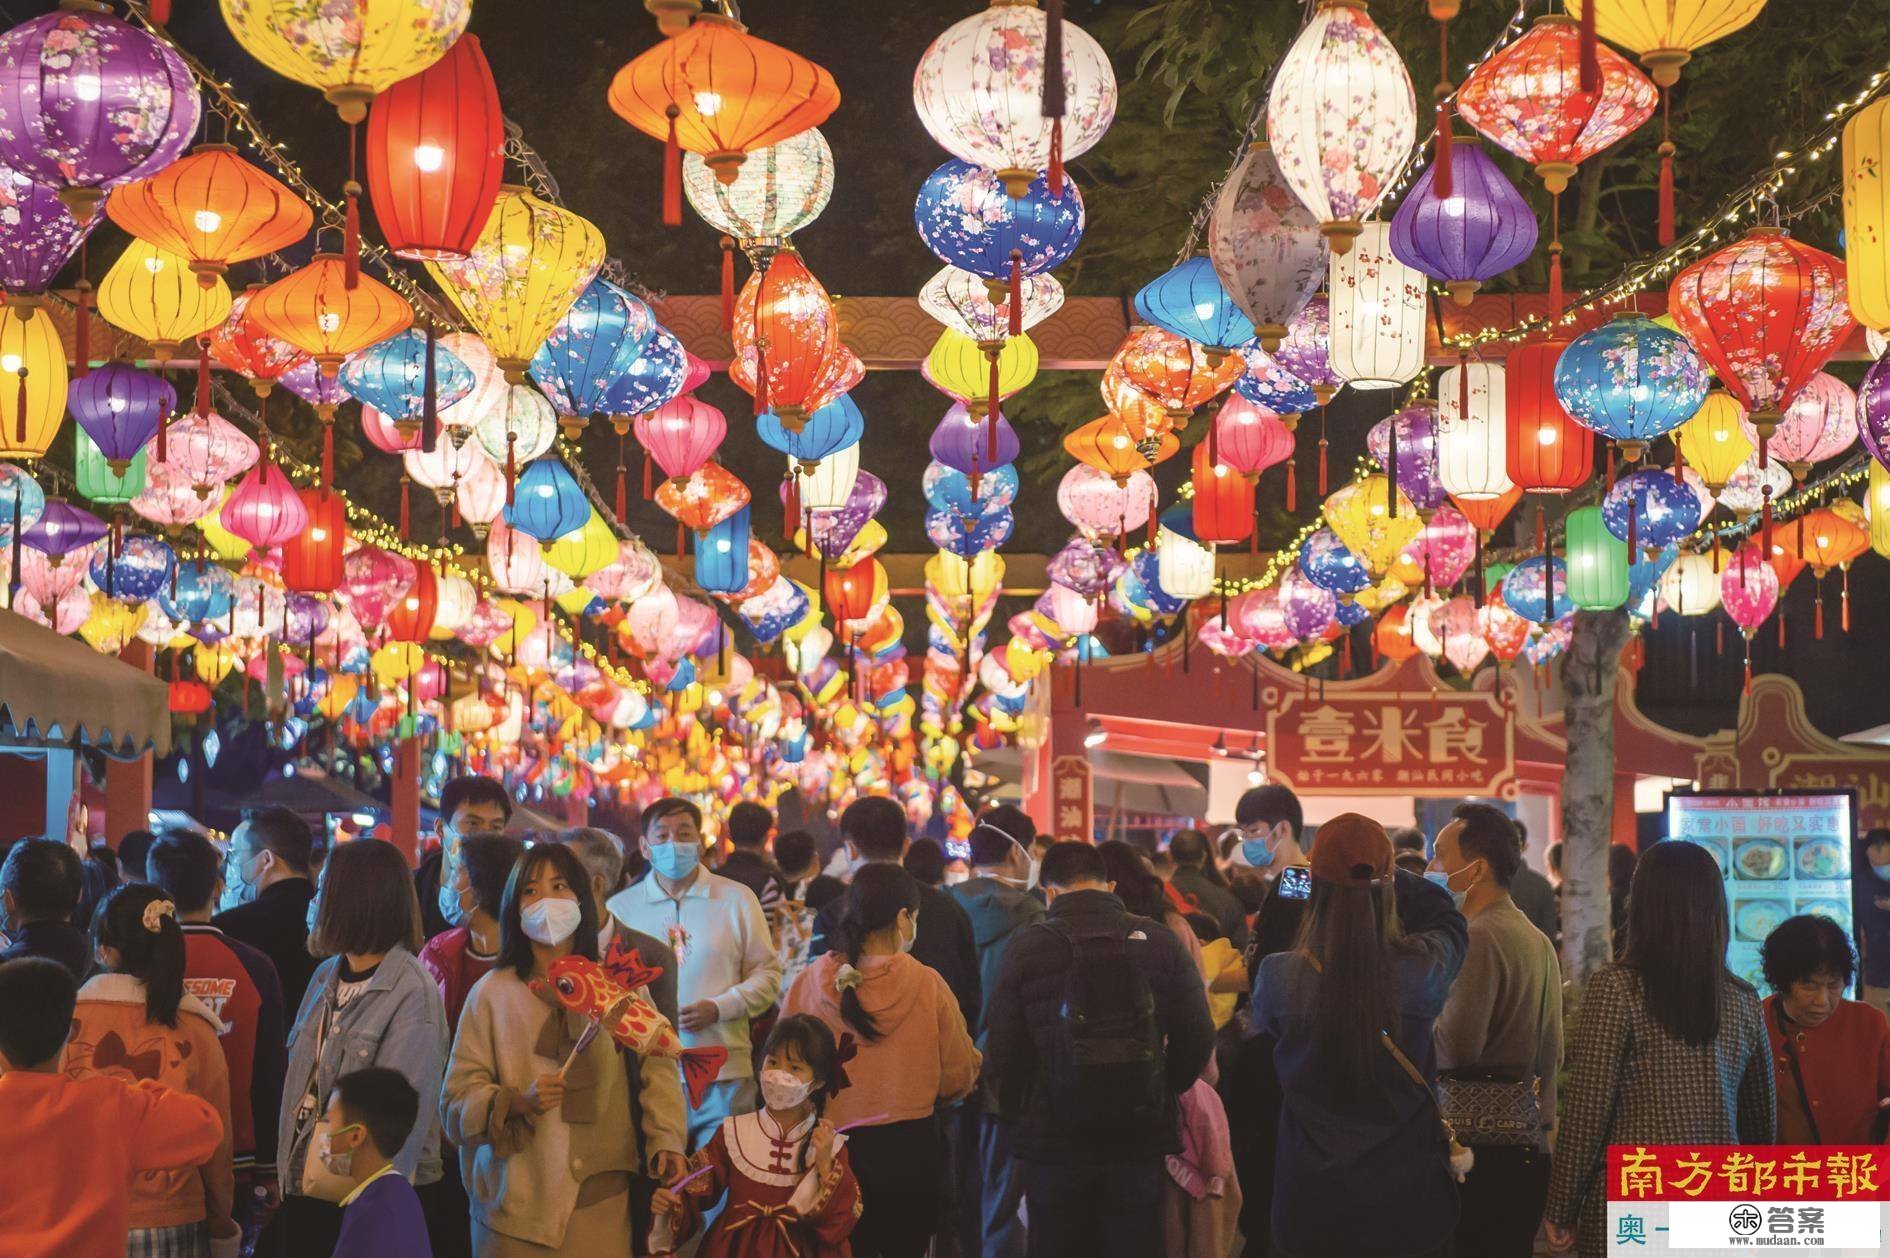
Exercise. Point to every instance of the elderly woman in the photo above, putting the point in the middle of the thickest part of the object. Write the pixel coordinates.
(1830, 1056)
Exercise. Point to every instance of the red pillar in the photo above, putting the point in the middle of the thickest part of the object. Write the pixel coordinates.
(128, 782)
(1626, 828)
(1071, 788)
(405, 795)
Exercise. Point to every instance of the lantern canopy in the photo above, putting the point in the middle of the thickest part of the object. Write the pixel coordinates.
(1379, 313)
(153, 295)
(779, 190)
(1265, 245)
(32, 384)
(1631, 380)
(1341, 117)
(348, 62)
(1473, 431)
(212, 208)
(436, 154)
(1547, 451)
(317, 311)
(1483, 228)
(1665, 33)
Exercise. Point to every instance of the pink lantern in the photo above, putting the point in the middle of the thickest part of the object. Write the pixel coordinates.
(49, 579)
(385, 435)
(651, 621)
(170, 501)
(480, 494)
(63, 615)
(1820, 423)
(265, 510)
(1226, 643)
(516, 561)
(1250, 438)
(486, 625)
(446, 467)
(1464, 643)
(634, 573)
(372, 580)
(1093, 502)
(1503, 629)
(1441, 552)
(1259, 616)
(429, 682)
(1074, 613)
(203, 448)
(682, 435)
(698, 630)
(1748, 588)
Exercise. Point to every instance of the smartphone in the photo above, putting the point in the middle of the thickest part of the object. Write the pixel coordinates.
(1295, 882)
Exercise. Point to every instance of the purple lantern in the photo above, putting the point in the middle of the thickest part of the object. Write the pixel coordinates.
(1087, 568)
(120, 408)
(307, 381)
(1648, 507)
(304, 617)
(963, 442)
(88, 101)
(1873, 406)
(61, 529)
(1483, 228)
(1303, 352)
(1308, 606)
(833, 531)
(38, 234)
(1413, 463)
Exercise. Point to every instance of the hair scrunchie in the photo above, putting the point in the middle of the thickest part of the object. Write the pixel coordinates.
(155, 913)
(847, 977)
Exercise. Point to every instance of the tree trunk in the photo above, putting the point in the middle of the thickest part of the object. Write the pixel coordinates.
(1588, 673)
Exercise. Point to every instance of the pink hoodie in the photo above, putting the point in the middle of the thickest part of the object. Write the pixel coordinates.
(924, 1056)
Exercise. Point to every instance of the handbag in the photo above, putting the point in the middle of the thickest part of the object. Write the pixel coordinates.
(1483, 1109)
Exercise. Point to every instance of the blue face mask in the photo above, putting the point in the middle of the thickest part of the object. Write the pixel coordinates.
(1882, 871)
(1256, 852)
(1442, 879)
(675, 861)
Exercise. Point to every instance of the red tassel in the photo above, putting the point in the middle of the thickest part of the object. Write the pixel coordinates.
(1633, 526)
(1053, 89)
(1781, 631)
(672, 172)
(328, 453)
(1679, 464)
(1292, 482)
(351, 238)
(791, 507)
(160, 11)
(20, 411)
(1017, 292)
(1817, 615)
(991, 411)
(681, 549)
(728, 284)
(1719, 637)
(406, 509)
(649, 493)
(203, 379)
(1440, 168)
(1765, 518)
(1844, 601)
(82, 340)
(1590, 51)
(163, 447)
(1665, 234)
(620, 499)
(1151, 526)
(511, 469)
(1748, 685)
(1322, 452)
(430, 393)
(1056, 159)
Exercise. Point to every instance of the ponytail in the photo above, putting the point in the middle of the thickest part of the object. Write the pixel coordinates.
(853, 935)
(139, 922)
(873, 901)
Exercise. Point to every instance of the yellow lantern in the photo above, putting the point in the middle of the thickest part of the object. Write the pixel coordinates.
(1867, 214)
(956, 577)
(1362, 515)
(961, 366)
(226, 545)
(112, 624)
(342, 687)
(583, 551)
(349, 61)
(1877, 507)
(153, 295)
(213, 663)
(526, 269)
(524, 620)
(574, 600)
(32, 384)
(865, 544)
(808, 623)
(1714, 441)
(396, 662)
(1665, 33)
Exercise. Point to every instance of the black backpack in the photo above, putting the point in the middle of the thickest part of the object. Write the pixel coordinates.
(1106, 1073)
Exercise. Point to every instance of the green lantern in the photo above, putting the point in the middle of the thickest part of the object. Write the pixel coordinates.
(97, 481)
(1597, 562)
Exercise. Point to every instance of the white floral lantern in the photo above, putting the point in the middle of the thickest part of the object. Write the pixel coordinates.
(515, 561)
(526, 417)
(1422, 619)
(454, 599)
(979, 92)
(777, 190)
(828, 486)
(444, 468)
(480, 495)
(489, 391)
(1690, 585)
(962, 302)
(1378, 309)
(1184, 566)
(1472, 432)
(1265, 245)
(1074, 613)
(1341, 117)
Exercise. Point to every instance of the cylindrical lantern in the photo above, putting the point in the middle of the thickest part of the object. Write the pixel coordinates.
(1378, 313)
(1691, 586)
(32, 384)
(1223, 500)
(722, 555)
(1184, 566)
(1473, 431)
(1547, 452)
(435, 155)
(410, 619)
(312, 560)
(1597, 562)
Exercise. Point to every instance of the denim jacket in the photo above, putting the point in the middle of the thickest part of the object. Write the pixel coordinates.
(398, 1022)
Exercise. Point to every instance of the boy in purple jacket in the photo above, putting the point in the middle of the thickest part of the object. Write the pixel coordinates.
(370, 1115)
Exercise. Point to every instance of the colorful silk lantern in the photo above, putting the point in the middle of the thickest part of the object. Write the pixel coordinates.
(1405, 445)
(1328, 563)
(212, 208)
(1370, 523)
(32, 384)
(1819, 424)
(1766, 313)
(1649, 508)
(1665, 33)
(1341, 117)
(1748, 589)
(1877, 508)
(982, 93)
(152, 295)
(1440, 552)
(1223, 500)
(968, 219)
(1190, 302)
(722, 555)
(1480, 229)
(833, 427)
(348, 62)
(1379, 313)
(203, 449)
(1714, 441)
(1691, 586)
(962, 441)
(312, 559)
(315, 309)
(1265, 245)
(61, 530)
(91, 102)
(38, 236)
(265, 510)
(548, 502)
(1537, 589)
(410, 619)
(591, 347)
(1107, 445)
(1093, 502)
(393, 377)
(436, 155)
(828, 482)
(1172, 371)
(518, 431)
(963, 303)
(590, 549)
(239, 344)
(102, 481)
(778, 190)
(1630, 380)
(1489, 513)
(1305, 351)
(1184, 564)
(793, 331)
(682, 435)
(1250, 438)
(531, 261)
(1547, 451)
(1472, 433)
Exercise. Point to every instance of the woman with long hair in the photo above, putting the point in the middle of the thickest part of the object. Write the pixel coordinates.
(1670, 1047)
(547, 1138)
(1351, 1008)
(912, 1054)
(134, 1020)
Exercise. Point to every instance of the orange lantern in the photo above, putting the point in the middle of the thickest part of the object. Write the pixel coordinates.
(1487, 513)
(1223, 500)
(312, 560)
(849, 592)
(788, 340)
(316, 311)
(1391, 636)
(213, 208)
(1109, 446)
(716, 90)
(410, 619)
(246, 349)
(711, 495)
(1173, 370)
(1142, 413)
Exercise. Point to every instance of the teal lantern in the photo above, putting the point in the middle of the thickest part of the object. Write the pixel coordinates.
(96, 480)
(722, 555)
(548, 502)
(1190, 302)
(1630, 380)
(1597, 562)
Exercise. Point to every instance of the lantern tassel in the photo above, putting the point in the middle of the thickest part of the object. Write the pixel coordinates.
(20, 410)
(1056, 159)
(681, 545)
(1664, 233)
(430, 396)
(1391, 474)
(511, 469)
(672, 171)
(619, 498)
(1440, 167)
(406, 509)
(160, 11)
(728, 284)
(790, 506)
(1781, 631)
(1292, 484)
(1542, 530)
(991, 411)
(1633, 525)
(351, 221)
(82, 337)
(1610, 465)
(1322, 452)
(1765, 525)
(1017, 293)
(1679, 464)
(1590, 51)
(649, 493)
(328, 452)
(1844, 600)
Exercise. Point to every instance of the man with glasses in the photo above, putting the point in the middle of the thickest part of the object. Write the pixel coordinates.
(469, 805)
(267, 891)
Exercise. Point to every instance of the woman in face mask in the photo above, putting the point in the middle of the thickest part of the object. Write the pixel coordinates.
(547, 1145)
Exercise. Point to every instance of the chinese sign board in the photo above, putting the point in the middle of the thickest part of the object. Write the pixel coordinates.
(1727, 1198)
(1392, 743)
(1781, 855)
(1071, 799)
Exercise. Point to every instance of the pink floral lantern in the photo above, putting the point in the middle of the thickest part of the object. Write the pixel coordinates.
(1464, 644)
(1820, 423)
(681, 436)
(372, 580)
(1441, 552)
(1259, 616)
(698, 629)
(170, 501)
(47, 578)
(265, 510)
(446, 466)
(203, 448)
(1748, 590)
(1075, 614)
(1503, 629)
(487, 623)
(516, 561)
(634, 573)
(480, 495)
(651, 621)
(1249, 438)
(1227, 642)
(387, 436)
(1308, 607)
(63, 615)
(1092, 501)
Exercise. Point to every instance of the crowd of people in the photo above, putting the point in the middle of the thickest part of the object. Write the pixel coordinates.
(1266, 1042)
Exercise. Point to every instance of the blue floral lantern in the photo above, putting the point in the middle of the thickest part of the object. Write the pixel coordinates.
(828, 429)
(948, 490)
(1644, 576)
(1191, 302)
(968, 220)
(684, 676)
(1326, 562)
(775, 610)
(202, 591)
(1525, 595)
(1350, 613)
(654, 377)
(722, 555)
(141, 567)
(967, 536)
(391, 376)
(1649, 508)
(548, 502)
(1630, 380)
(1266, 383)
(22, 501)
(596, 343)
(1483, 228)
(1141, 583)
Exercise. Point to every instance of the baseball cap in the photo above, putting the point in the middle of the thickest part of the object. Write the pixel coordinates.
(1352, 850)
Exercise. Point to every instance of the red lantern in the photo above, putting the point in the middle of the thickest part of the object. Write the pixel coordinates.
(410, 619)
(1549, 453)
(436, 154)
(312, 560)
(682, 435)
(189, 697)
(849, 591)
(791, 335)
(1223, 500)
(245, 348)
(1250, 438)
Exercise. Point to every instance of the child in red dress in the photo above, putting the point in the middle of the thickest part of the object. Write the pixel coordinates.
(790, 1190)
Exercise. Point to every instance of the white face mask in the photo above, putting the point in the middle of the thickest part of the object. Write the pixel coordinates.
(551, 922)
(1036, 868)
(782, 1089)
(906, 941)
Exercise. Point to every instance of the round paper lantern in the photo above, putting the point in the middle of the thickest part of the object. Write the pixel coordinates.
(392, 377)
(591, 347)
(1250, 438)
(212, 208)
(317, 311)
(101, 480)
(1405, 444)
(1307, 607)
(38, 236)
(1360, 515)
(1107, 445)
(1649, 508)
(480, 494)
(526, 269)
(243, 347)
(1266, 383)
(32, 384)
(1526, 589)
(1378, 313)
(1440, 553)
(656, 375)
(1819, 424)
(1827, 537)
(1714, 441)
(1631, 380)
(682, 435)
(205, 450)
(1691, 586)
(1093, 502)
(1184, 566)
(968, 219)
(1223, 500)
(1483, 228)
(1665, 33)
(715, 90)
(91, 102)
(1173, 371)
(152, 295)
(140, 568)
(1547, 451)
(979, 91)
(826, 484)
(1766, 313)
(265, 510)
(548, 502)
(1873, 404)
(520, 430)
(312, 559)
(966, 443)
(777, 191)
(850, 593)
(1265, 245)
(1306, 350)
(348, 62)
(1464, 644)
(1341, 118)
(1528, 99)
(1472, 437)
(1190, 302)
(436, 154)
(444, 468)
(962, 302)
(1748, 588)
(1748, 487)
(960, 367)
(833, 427)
